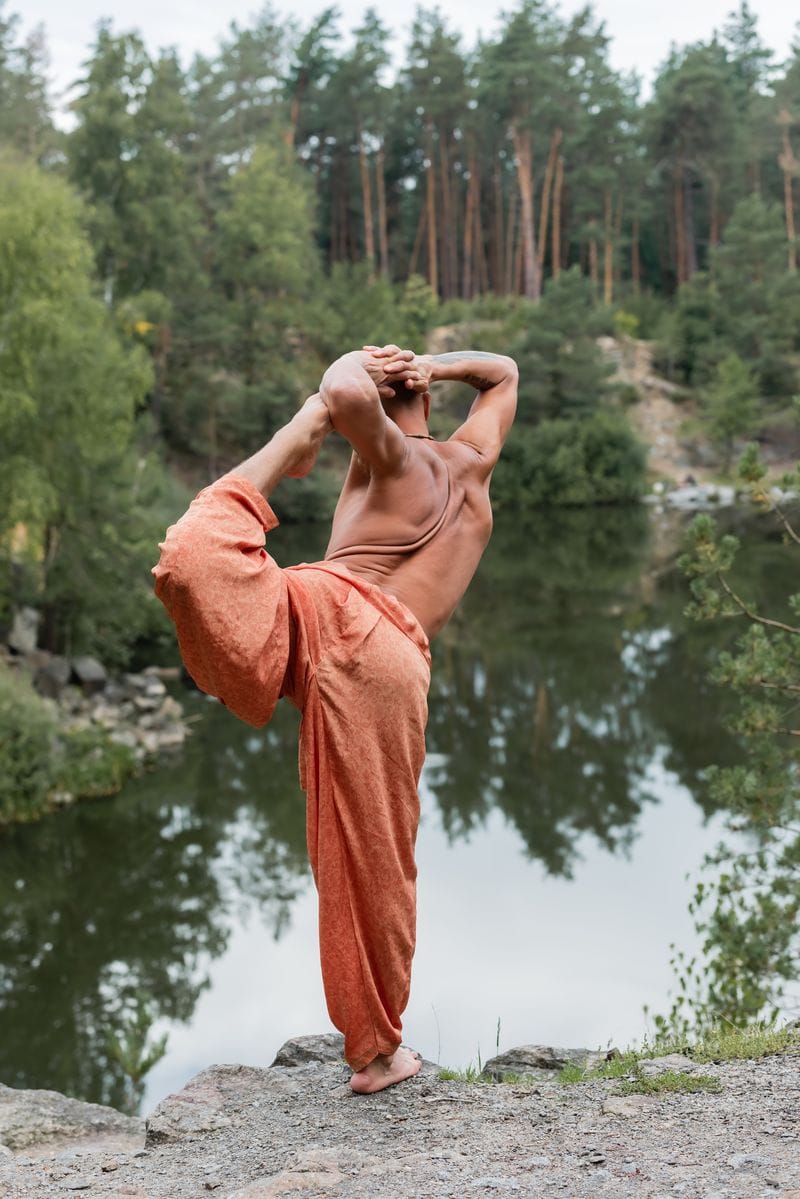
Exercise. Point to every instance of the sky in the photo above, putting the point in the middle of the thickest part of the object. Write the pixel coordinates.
(641, 30)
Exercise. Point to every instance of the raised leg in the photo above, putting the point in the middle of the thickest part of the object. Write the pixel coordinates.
(292, 451)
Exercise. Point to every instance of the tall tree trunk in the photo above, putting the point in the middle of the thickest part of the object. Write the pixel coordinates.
(467, 285)
(690, 239)
(417, 247)
(366, 202)
(433, 265)
(788, 164)
(636, 266)
(334, 227)
(713, 233)
(549, 171)
(519, 259)
(383, 231)
(449, 278)
(680, 226)
(618, 234)
(511, 232)
(608, 249)
(555, 245)
(290, 133)
(593, 275)
(498, 260)
(480, 247)
(523, 149)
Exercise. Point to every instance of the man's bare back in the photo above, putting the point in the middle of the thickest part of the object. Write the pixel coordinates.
(418, 535)
(416, 519)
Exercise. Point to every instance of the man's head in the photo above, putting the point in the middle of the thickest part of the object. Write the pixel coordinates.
(402, 384)
(404, 403)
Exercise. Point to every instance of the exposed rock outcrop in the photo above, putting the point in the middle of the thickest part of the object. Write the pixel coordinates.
(238, 1132)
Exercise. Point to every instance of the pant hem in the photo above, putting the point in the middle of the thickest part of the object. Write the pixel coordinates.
(361, 1062)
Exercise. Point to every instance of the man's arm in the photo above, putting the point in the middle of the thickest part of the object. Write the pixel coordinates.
(494, 376)
(351, 389)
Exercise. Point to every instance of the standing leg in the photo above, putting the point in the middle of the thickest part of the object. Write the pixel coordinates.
(363, 748)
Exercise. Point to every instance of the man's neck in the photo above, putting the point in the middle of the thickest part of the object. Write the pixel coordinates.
(413, 424)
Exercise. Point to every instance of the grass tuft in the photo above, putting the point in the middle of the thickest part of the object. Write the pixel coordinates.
(726, 1043)
(722, 1044)
(670, 1080)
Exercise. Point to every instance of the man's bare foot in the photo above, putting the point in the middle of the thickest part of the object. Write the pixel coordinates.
(385, 1071)
(311, 425)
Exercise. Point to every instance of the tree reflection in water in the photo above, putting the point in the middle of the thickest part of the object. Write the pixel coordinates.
(567, 672)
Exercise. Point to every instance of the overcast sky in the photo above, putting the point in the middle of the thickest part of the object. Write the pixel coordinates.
(641, 30)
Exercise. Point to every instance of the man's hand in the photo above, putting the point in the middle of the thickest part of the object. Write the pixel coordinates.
(375, 361)
(403, 366)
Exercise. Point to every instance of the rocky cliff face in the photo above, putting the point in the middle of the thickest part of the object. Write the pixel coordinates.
(296, 1128)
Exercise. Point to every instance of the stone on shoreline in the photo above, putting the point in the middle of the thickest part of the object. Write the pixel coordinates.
(40, 1118)
(24, 631)
(539, 1061)
(89, 673)
(298, 1051)
(52, 676)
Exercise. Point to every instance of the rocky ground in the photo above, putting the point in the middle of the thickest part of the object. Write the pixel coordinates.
(244, 1133)
(133, 709)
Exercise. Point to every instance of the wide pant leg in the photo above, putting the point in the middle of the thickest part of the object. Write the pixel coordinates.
(228, 598)
(362, 749)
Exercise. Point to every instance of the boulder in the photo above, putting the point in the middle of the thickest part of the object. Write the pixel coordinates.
(216, 1098)
(35, 1118)
(52, 677)
(299, 1051)
(24, 631)
(89, 673)
(537, 1060)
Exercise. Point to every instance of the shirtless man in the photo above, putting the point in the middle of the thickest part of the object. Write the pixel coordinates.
(347, 641)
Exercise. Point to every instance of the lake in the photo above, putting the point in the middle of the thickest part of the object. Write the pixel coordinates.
(564, 820)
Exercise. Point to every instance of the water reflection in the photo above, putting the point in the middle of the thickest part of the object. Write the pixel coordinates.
(567, 672)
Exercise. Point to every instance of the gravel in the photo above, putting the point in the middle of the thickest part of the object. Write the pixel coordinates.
(236, 1132)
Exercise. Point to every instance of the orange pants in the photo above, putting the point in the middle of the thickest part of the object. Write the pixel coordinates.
(356, 663)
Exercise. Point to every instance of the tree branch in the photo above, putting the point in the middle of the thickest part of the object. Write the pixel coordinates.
(772, 624)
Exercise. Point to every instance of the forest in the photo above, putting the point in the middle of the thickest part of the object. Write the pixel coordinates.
(180, 263)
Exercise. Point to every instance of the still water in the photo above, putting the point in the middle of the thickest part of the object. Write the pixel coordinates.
(563, 808)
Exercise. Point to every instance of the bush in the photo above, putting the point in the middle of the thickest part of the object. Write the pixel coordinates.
(27, 749)
(37, 759)
(572, 463)
(90, 765)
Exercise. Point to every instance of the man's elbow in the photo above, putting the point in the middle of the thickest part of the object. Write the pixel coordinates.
(346, 399)
(511, 368)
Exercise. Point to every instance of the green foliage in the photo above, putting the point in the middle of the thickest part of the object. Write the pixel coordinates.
(747, 305)
(725, 1043)
(669, 1082)
(38, 759)
(747, 910)
(24, 110)
(69, 387)
(27, 749)
(626, 324)
(563, 373)
(91, 765)
(354, 307)
(570, 462)
(731, 405)
(759, 312)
